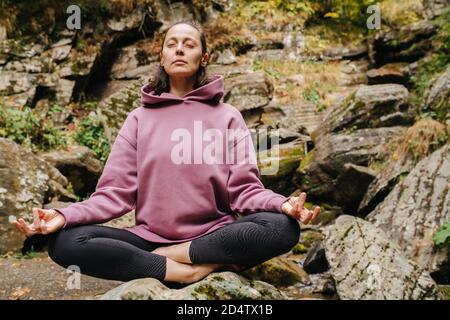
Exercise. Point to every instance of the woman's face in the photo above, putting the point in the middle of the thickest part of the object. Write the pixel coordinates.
(182, 44)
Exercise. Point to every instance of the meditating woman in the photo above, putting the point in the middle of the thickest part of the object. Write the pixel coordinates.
(195, 212)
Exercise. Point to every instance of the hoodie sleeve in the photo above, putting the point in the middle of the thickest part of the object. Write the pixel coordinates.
(116, 190)
(246, 192)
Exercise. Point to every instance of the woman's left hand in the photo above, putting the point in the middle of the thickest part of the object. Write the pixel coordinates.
(294, 207)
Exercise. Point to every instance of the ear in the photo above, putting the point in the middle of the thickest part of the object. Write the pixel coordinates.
(205, 59)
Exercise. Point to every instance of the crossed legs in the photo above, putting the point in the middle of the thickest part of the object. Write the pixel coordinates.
(118, 254)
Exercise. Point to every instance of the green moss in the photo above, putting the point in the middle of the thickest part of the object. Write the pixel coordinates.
(30, 129)
(430, 68)
(28, 17)
(216, 292)
(347, 232)
(218, 278)
(300, 248)
(208, 291)
(400, 13)
(275, 271)
(78, 66)
(310, 238)
(348, 100)
(358, 105)
(92, 135)
(307, 160)
(445, 290)
(287, 166)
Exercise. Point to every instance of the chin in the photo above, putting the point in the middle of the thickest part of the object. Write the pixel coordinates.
(182, 73)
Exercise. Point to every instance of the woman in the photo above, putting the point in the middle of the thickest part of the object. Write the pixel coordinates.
(186, 210)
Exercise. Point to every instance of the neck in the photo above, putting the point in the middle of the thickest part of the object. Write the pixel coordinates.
(179, 86)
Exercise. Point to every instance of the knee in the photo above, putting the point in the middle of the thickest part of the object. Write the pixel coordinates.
(291, 228)
(57, 246)
(287, 230)
(62, 245)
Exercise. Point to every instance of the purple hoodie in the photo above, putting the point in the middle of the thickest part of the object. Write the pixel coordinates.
(176, 202)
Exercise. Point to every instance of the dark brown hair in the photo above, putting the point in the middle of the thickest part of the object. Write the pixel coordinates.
(160, 80)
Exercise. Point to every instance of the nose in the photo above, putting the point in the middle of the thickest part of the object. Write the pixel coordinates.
(179, 47)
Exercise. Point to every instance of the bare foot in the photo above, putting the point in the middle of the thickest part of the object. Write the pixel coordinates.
(187, 273)
(177, 252)
(202, 270)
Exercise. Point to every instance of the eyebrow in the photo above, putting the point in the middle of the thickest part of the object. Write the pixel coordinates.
(185, 38)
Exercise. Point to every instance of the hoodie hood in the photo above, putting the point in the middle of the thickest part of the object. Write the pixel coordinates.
(209, 93)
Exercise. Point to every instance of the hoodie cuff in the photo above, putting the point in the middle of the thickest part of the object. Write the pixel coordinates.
(70, 217)
(276, 203)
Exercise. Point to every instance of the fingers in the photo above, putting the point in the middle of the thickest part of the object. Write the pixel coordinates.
(25, 228)
(316, 212)
(306, 216)
(41, 219)
(299, 211)
(310, 215)
(18, 227)
(300, 205)
(28, 230)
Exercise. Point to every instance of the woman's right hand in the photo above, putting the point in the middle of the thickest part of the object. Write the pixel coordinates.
(45, 221)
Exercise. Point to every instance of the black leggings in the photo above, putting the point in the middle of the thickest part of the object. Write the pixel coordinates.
(118, 254)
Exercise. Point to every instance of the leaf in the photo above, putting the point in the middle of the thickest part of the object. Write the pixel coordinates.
(333, 15)
(442, 236)
(19, 293)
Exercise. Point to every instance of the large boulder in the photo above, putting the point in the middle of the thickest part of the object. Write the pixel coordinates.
(406, 44)
(17, 88)
(26, 181)
(301, 116)
(167, 13)
(278, 271)
(416, 208)
(248, 91)
(386, 179)
(435, 8)
(399, 157)
(366, 264)
(129, 23)
(216, 286)
(438, 98)
(122, 222)
(373, 106)
(134, 61)
(79, 165)
(398, 72)
(59, 71)
(328, 173)
(117, 106)
(277, 165)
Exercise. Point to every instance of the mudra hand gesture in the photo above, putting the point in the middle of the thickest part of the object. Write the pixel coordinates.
(294, 207)
(45, 221)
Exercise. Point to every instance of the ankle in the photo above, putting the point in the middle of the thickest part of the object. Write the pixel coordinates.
(200, 271)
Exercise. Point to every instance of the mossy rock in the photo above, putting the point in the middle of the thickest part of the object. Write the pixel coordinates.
(216, 286)
(278, 271)
(306, 161)
(310, 238)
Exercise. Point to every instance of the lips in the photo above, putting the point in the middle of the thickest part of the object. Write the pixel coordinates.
(179, 61)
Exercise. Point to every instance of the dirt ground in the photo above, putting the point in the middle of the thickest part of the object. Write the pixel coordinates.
(39, 278)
